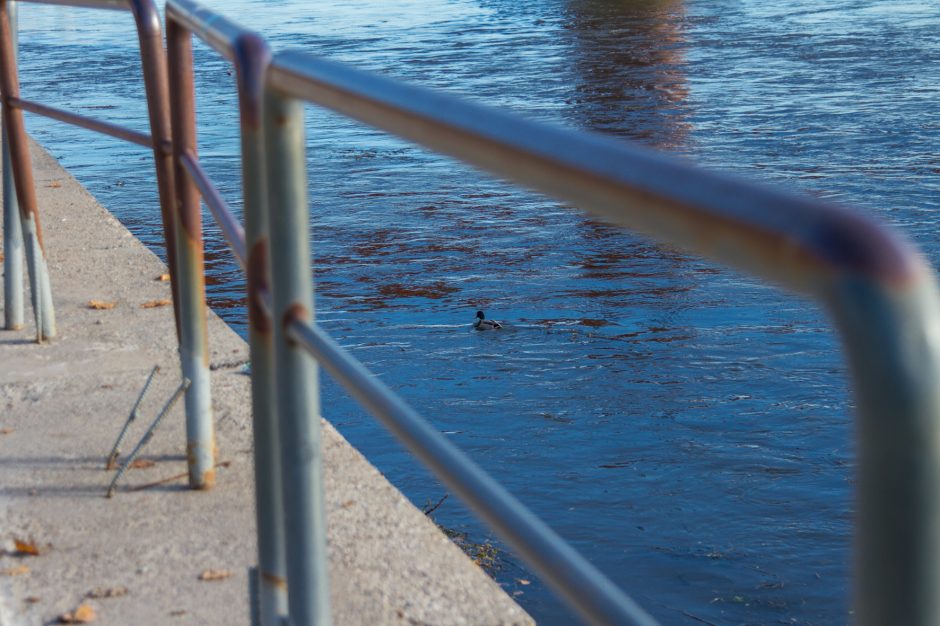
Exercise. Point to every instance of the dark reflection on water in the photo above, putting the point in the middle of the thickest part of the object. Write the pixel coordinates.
(686, 428)
(627, 61)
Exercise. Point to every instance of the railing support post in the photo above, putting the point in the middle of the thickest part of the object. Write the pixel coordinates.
(153, 63)
(12, 235)
(892, 338)
(194, 349)
(40, 288)
(251, 60)
(296, 371)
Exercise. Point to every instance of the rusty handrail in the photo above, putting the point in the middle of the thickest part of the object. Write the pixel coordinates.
(105, 128)
(880, 292)
(785, 236)
(154, 65)
(250, 55)
(153, 60)
(231, 229)
(117, 5)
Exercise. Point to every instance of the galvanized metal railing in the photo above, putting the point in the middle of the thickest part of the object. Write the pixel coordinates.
(188, 291)
(880, 292)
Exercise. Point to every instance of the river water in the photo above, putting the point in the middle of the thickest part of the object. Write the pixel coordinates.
(688, 429)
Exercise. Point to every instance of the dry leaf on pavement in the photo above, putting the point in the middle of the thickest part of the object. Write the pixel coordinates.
(215, 574)
(152, 304)
(24, 548)
(84, 614)
(19, 570)
(100, 305)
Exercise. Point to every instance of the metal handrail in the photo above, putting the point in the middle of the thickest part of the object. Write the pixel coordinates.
(105, 128)
(582, 584)
(880, 292)
(874, 284)
(117, 5)
(250, 56)
(200, 444)
(787, 238)
(575, 579)
(154, 72)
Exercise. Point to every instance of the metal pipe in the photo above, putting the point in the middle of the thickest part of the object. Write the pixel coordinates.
(156, 84)
(879, 290)
(790, 239)
(228, 223)
(118, 5)
(581, 584)
(252, 57)
(892, 338)
(194, 350)
(148, 435)
(295, 370)
(105, 128)
(218, 32)
(41, 291)
(135, 413)
(12, 233)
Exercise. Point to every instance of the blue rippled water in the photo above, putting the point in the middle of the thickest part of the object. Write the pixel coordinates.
(688, 429)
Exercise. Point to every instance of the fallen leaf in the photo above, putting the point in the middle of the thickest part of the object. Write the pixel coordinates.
(84, 614)
(54, 184)
(5, 431)
(19, 570)
(24, 548)
(101, 305)
(215, 574)
(142, 464)
(177, 613)
(107, 592)
(152, 304)
(163, 278)
(31, 600)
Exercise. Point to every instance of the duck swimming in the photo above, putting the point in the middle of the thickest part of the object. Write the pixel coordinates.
(481, 323)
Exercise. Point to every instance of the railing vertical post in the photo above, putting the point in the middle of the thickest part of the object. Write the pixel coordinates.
(40, 288)
(296, 371)
(251, 60)
(194, 349)
(892, 337)
(153, 62)
(12, 235)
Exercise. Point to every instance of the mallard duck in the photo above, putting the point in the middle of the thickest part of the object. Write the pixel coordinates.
(481, 323)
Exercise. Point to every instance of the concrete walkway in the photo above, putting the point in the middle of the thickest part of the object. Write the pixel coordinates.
(61, 407)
